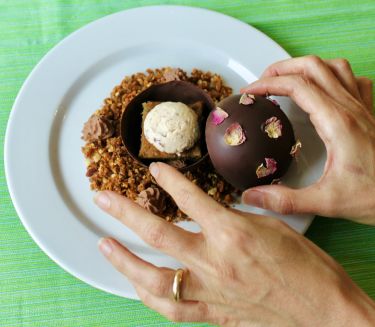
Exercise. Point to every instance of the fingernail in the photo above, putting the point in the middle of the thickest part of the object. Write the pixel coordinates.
(245, 89)
(154, 169)
(102, 200)
(254, 198)
(105, 247)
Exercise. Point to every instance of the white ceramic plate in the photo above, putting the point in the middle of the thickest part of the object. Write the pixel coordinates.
(44, 166)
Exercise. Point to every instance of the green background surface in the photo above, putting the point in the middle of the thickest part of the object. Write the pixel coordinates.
(34, 291)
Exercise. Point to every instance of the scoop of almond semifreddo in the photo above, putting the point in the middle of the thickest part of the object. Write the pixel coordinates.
(172, 127)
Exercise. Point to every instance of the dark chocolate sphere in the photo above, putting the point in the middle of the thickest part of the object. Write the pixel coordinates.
(249, 144)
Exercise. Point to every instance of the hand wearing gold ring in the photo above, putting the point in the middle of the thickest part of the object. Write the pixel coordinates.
(243, 269)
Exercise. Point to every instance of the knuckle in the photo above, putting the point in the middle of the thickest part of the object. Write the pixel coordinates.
(239, 237)
(199, 311)
(313, 61)
(183, 199)
(271, 70)
(203, 310)
(118, 209)
(227, 273)
(298, 82)
(225, 237)
(285, 205)
(342, 64)
(155, 235)
(224, 321)
(174, 314)
(121, 212)
(304, 80)
(223, 271)
(119, 264)
(235, 234)
(160, 287)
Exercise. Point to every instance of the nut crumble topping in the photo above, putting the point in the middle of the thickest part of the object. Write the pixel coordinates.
(110, 167)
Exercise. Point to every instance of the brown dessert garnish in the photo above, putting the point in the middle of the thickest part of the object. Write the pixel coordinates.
(152, 200)
(97, 128)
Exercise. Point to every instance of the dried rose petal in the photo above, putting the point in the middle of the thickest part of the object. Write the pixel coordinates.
(234, 135)
(219, 115)
(273, 127)
(171, 74)
(271, 167)
(296, 149)
(276, 181)
(247, 99)
(271, 164)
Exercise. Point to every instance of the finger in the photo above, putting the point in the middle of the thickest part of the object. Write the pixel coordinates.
(183, 311)
(313, 68)
(343, 72)
(365, 90)
(285, 200)
(307, 96)
(188, 197)
(154, 230)
(158, 281)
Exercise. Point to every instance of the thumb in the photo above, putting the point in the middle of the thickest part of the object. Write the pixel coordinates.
(283, 199)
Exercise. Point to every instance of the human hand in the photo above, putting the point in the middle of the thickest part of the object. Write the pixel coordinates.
(242, 269)
(340, 108)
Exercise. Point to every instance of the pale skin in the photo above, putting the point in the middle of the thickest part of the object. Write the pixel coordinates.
(340, 108)
(250, 270)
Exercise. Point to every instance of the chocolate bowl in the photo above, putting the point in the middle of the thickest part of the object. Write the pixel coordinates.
(175, 91)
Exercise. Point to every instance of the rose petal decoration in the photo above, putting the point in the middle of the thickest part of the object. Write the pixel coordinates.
(219, 115)
(234, 135)
(171, 74)
(296, 149)
(247, 99)
(273, 127)
(271, 167)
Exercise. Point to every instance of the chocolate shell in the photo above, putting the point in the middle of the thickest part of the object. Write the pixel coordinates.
(249, 144)
(176, 91)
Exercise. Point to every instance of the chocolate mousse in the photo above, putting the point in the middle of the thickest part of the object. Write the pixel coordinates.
(97, 128)
(152, 199)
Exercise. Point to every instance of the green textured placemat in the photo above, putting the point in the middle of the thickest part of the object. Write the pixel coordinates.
(34, 291)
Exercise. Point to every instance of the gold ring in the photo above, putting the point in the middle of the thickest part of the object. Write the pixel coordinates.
(177, 282)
